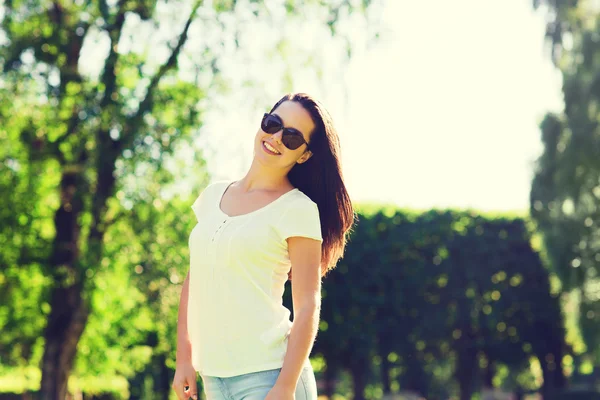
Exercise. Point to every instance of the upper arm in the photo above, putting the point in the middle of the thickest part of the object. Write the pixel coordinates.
(300, 226)
(305, 256)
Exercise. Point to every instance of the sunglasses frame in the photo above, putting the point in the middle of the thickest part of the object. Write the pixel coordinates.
(286, 130)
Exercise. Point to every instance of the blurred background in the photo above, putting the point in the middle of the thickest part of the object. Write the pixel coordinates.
(470, 146)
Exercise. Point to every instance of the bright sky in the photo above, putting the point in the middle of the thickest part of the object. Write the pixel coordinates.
(442, 111)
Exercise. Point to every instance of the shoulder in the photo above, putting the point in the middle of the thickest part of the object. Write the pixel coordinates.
(219, 184)
(301, 203)
(215, 185)
(300, 218)
(210, 190)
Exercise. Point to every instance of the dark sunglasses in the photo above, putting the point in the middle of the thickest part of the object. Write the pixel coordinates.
(291, 138)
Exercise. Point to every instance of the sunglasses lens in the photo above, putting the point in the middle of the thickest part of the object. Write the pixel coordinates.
(270, 124)
(292, 139)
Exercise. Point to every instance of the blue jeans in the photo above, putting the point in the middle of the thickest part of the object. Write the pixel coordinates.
(256, 385)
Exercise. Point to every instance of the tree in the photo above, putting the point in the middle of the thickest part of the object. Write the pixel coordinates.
(433, 302)
(565, 191)
(89, 126)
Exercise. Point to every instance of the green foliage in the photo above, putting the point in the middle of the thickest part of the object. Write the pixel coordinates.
(411, 286)
(96, 100)
(438, 294)
(565, 193)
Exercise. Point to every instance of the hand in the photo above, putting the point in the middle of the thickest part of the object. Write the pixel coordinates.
(185, 376)
(281, 393)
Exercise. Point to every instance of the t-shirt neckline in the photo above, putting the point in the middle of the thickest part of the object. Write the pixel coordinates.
(222, 193)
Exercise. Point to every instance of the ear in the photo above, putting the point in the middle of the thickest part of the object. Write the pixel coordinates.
(304, 157)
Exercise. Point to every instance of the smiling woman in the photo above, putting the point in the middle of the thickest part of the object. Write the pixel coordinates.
(290, 212)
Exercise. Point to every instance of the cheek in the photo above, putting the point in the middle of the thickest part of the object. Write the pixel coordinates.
(293, 156)
(259, 137)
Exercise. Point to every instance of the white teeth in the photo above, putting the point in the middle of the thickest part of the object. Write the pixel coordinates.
(268, 146)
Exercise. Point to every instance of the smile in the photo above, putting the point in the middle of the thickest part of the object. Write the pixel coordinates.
(269, 149)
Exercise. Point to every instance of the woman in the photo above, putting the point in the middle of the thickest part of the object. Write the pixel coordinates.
(289, 216)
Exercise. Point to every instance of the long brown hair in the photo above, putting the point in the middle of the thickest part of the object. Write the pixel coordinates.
(321, 179)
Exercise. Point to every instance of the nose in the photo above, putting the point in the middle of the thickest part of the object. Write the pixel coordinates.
(277, 136)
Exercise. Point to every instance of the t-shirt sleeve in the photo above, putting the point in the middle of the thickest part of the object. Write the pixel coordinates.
(199, 201)
(300, 219)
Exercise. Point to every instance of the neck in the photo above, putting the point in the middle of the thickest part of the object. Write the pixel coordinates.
(261, 177)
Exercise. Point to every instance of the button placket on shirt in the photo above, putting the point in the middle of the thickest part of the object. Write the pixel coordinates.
(214, 245)
(219, 229)
(218, 258)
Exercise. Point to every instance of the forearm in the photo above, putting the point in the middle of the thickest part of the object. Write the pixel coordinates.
(300, 342)
(184, 347)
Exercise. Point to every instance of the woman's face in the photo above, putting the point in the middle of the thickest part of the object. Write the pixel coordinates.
(295, 116)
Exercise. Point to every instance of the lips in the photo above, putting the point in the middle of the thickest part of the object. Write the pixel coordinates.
(269, 151)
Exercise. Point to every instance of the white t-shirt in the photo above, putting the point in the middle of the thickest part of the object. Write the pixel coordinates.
(238, 268)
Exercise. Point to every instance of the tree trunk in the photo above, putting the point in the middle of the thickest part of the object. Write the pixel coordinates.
(69, 309)
(136, 385)
(554, 379)
(64, 328)
(385, 373)
(69, 312)
(488, 375)
(466, 368)
(163, 378)
(487, 385)
(519, 394)
(558, 377)
(414, 379)
(359, 382)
